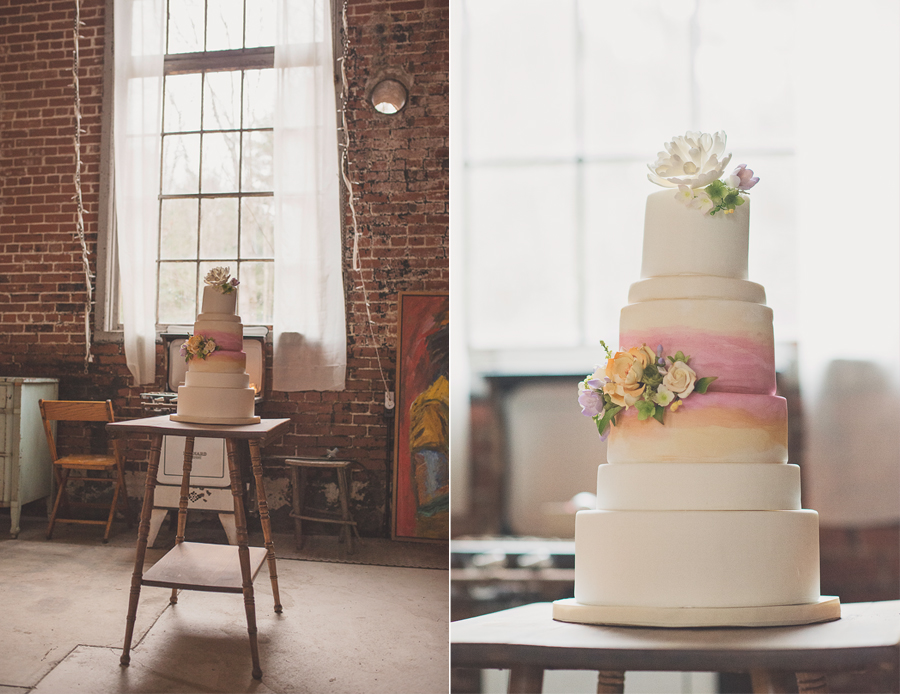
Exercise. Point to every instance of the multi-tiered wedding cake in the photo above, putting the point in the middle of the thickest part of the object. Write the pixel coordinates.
(698, 519)
(217, 387)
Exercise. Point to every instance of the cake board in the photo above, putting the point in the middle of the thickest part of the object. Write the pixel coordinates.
(826, 609)
(199, 419)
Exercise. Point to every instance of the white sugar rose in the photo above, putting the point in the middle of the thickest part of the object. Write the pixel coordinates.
(693, 160)
(680, 379)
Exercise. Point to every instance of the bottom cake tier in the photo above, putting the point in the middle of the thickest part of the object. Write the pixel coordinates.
(716, 563)
(208, 405)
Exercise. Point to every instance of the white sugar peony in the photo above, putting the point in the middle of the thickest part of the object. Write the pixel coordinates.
(693, 160)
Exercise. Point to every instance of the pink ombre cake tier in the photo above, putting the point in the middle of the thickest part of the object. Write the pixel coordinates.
(221, 361)
(711, 428)
(729, 339)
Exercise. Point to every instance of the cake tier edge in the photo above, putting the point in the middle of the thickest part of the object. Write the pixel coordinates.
(826, 609)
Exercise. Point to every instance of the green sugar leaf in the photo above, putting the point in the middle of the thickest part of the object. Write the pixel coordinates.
(702, 384)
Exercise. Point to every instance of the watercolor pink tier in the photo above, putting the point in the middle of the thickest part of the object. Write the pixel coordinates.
(217, 387)
(698, 519)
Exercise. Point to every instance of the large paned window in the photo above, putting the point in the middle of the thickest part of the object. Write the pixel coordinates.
(558, 115)
(216, 187)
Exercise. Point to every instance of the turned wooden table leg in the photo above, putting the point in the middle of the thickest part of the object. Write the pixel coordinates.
(141, 550)
(812, 683)
(256, 462)
(526, 679)
(610, 682)
(240, 522)
(183, 500)
(772, 682)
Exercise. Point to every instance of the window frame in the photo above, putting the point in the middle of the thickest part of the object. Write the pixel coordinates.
(107, 324)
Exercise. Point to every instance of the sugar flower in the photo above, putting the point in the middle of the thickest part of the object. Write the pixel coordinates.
(693, 160)
(742, 178)
(219, 277)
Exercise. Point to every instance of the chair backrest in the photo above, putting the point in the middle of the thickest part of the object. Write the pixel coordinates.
(74, 411)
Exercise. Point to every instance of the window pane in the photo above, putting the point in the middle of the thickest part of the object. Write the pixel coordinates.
(637, 78)
(257, 228)
(178, 229)
(181, 164)
(257, 289)
(613, 213)
(519, 295)
(256, 166)
(225, 25)
(260, 30)
(220, 162)
(185, 26)
(177, 293)
(182, 103)
(219, 228)
(760, 113)
(540, 45)
(259, 98)
(222, 101)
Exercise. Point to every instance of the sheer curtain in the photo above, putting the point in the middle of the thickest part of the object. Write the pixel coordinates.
(309, 324)
(139, 52)
(848, 151)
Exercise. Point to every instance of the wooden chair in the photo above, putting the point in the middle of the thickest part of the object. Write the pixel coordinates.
(84, 411)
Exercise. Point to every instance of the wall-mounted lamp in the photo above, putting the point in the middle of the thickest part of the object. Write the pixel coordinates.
(389, 96)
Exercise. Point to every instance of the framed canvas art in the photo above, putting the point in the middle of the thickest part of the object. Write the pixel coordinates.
(421, 492)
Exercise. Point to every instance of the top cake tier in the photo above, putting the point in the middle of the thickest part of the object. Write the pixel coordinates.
(215, 302)
(678, 240)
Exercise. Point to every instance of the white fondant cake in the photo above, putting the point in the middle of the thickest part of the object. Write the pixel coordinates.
(217, 387)
(698, 519)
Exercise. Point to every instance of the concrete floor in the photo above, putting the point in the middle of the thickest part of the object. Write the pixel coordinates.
(346, 628)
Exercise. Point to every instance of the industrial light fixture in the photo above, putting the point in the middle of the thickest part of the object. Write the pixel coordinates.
(389, 96)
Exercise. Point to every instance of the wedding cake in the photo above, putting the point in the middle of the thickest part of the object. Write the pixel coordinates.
(698, 519)
(216, 387)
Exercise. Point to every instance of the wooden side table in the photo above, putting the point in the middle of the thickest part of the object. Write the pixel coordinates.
(199, 566)
(299, 466)
(527, 640)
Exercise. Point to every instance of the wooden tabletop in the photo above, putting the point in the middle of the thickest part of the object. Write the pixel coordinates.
(867, 633)
(266, 428)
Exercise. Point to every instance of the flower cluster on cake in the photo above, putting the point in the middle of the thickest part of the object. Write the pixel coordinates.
(698, 519)
(694, 164)
(217, 387)
(641, 378)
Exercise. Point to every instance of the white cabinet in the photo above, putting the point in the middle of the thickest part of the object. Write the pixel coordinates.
(25, 467)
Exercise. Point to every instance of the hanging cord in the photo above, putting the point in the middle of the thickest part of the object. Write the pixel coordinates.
(351, 198)
(79, 200)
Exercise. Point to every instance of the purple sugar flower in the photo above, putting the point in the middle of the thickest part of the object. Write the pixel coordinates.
(591, 403)
(746, 179)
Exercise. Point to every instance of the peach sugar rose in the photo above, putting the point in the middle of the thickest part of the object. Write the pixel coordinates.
(624, 371)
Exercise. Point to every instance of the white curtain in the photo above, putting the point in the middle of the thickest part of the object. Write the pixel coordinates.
(848, 151)
(139, 49)
(309, 325)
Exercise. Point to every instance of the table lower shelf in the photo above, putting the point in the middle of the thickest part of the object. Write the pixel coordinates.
(201, 566)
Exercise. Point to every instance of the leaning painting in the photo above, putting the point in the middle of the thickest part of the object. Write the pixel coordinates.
(421, 443)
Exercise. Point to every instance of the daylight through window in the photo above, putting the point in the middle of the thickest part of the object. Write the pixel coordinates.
(216, 187)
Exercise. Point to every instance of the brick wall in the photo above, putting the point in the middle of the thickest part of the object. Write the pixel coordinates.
(399, 165)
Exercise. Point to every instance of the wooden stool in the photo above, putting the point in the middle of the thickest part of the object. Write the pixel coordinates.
(299, 467)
